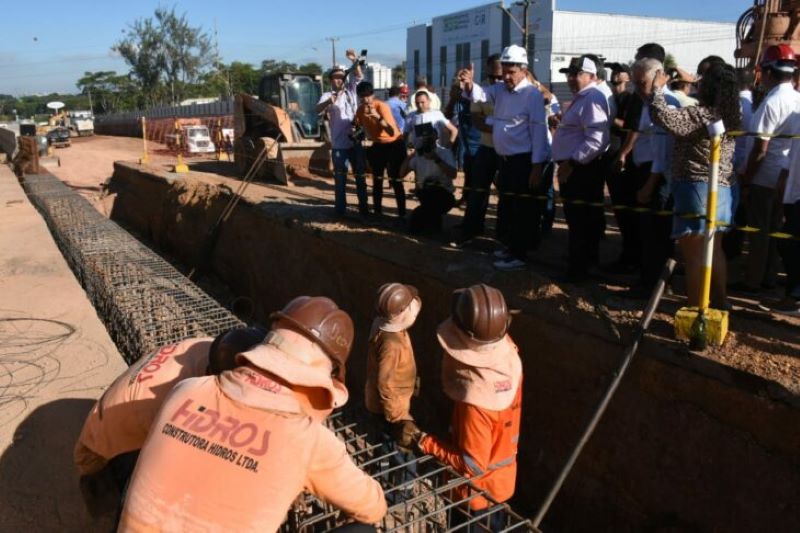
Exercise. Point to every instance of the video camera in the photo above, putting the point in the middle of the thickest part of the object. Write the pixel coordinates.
(426, 137)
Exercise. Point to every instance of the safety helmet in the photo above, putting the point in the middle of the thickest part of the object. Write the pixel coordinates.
(480, 311)
(514, 54)
(394, 298)
(223, 350)
(320, 320)
(780, 57)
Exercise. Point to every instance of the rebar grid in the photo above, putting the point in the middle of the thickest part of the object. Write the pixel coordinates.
(144, 301)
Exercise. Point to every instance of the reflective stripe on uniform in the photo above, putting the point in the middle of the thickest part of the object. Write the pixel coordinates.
(472, 465)
(505, 462)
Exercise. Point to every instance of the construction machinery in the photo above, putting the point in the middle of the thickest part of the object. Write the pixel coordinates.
(284, 123)
(191, 137)
(766, 23)
(81, 123)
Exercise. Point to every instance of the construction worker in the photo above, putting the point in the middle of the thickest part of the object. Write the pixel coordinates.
(232, 452)
(391, 369)
(482, 374)
(117, 425)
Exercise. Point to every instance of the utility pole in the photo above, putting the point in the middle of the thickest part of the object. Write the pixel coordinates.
(333, 49)
(524, 29)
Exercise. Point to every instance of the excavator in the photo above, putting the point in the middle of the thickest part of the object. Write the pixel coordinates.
(766, 23)
(280, 130)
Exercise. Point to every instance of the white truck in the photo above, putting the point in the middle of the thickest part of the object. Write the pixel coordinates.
(193, 140)
(81, 123)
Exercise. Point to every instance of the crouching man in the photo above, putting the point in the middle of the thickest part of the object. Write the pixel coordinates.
(117, 425)
(482, 375)
(232, 452)
(434, 170)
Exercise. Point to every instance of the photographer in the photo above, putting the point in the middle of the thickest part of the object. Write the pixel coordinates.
(388, 149)
(340, 104)
(435, 169)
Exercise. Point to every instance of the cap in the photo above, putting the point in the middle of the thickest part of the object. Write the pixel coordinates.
(514, 54)
(779, 57)
(684, 76)
(580, 64)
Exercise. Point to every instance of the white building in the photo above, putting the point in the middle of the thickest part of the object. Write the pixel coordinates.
(378, 75)
(450, 42)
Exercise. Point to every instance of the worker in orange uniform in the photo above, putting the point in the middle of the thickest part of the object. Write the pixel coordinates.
(482, 374)
(391, 369)
(117, 425)
(232, 452)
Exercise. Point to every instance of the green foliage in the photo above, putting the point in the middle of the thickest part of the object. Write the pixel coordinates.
(399, 73)
(669, 62)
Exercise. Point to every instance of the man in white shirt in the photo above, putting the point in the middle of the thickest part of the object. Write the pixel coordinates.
(790, 248)
(446, 132)
(434, 171)
(765, 162)
(340, 105)
(578, 146)
(522, 143)
(421, 84)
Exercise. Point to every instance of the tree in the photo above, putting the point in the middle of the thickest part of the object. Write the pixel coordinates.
(110, 91)
(310, 68)
(399, 73)
(271, 66)
(669, 62)
(166, 54)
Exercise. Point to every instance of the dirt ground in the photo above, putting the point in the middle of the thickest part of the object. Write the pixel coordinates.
(759, 343)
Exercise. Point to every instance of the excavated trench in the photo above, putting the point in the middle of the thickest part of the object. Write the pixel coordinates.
(687, 444)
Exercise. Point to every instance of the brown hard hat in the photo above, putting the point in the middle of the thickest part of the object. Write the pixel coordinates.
(393, 298)
(320, 320)
(480, 311)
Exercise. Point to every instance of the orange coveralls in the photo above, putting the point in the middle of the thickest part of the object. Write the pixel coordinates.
(120, 419)
(232, 452)
(483, 446)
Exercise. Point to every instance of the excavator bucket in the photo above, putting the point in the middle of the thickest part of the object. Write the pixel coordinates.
(259, 126)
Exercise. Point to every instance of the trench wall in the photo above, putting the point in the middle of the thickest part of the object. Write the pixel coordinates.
(686, 444)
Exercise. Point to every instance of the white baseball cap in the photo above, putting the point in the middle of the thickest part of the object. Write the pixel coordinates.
(514, 54)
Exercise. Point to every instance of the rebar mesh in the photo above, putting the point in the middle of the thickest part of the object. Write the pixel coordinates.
(144, 301)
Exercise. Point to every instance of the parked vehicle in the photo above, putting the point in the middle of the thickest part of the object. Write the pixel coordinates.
(192, 139)
(81, 123)
(58, 137)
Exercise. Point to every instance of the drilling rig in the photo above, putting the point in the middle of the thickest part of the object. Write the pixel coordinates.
(766, 23)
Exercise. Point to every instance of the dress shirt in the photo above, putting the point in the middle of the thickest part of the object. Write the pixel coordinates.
(611, 107)
(519, 124)
(341, 113)
(399, 111)
(583, 134)
(743, 147)
(791, 194)
(772, 116)
(650, 144)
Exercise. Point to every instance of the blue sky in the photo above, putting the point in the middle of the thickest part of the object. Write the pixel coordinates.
(47, 45)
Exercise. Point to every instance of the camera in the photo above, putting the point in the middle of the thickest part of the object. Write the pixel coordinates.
(360, 61)
(357, 133)
(425, 138)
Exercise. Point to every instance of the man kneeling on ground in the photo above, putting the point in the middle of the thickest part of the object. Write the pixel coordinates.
(435, 169)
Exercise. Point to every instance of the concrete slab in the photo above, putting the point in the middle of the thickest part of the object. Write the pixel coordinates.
(55, 360)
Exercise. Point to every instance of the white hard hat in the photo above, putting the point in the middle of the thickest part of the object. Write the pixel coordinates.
(514, 54)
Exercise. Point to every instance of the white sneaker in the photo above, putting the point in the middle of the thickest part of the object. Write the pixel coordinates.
(502, 253)
(510, 264)
(788, 307)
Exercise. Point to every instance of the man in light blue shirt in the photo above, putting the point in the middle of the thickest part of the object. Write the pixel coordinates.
(522, 143)
(578, 146)
(340, 105)
(398, 103)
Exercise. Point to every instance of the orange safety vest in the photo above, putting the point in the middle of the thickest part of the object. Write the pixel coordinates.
(483, 447)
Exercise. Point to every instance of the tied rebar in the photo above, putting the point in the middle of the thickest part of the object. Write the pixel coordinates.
(146, 303)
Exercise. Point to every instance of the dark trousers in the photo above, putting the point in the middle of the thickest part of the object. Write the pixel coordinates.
(623, 188)
(790, 249)
(387, 157)
(504, 206)
(484, 170)
(434, 202)
(468, 166)
(524, 210)
(585, 222)
(656, 241)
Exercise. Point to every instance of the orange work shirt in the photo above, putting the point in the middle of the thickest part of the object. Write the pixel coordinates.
(232, 452)
(119, 421)
(373, 126)
(483, 447)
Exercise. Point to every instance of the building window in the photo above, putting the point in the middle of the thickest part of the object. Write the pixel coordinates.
(465, 53)
(416, 63)
(484, 51)
(429, 53)
(459, 56)
(443, 66)
(506, 35)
